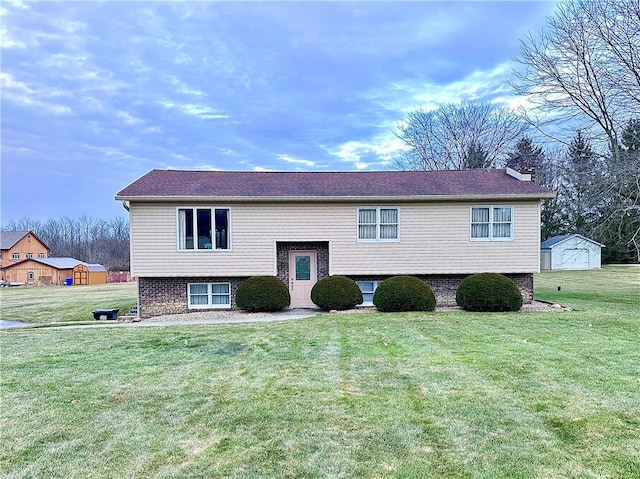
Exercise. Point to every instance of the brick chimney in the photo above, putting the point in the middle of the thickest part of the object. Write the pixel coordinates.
(523, 164)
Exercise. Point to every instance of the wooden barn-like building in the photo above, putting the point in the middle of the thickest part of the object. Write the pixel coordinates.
(51, 271)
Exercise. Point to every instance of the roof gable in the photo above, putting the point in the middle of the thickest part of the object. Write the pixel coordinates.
(555, 240)
(8, 239)
(181, 184)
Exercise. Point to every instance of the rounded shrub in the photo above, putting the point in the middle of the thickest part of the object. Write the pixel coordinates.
(336, 292)
(404, 293)
(488, 292)
(262, 293)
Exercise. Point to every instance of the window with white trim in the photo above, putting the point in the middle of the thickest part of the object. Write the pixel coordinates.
(378, 224)
(40, 255)
(209, 295)
(203, 229)
(367, 288)
(31, 276)
(491, 223)
(29, 255)
(16, 256)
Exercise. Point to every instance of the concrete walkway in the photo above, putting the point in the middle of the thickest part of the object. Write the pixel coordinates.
(12, 324)
(284, 315)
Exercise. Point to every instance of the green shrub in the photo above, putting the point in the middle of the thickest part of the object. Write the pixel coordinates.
(404, 293)
(488, 292)
(262, 293)
(336, 292)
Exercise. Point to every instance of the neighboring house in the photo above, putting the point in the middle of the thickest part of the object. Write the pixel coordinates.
(19, 245)
(196, 235)
(52, 271)
(570, 252)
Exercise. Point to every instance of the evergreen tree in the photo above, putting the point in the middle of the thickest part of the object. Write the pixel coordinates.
(583, 172)
(547, 172)
(476, 157)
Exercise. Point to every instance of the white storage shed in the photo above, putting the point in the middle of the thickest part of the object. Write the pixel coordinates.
(572, 251)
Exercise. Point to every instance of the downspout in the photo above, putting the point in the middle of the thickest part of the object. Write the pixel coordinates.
(125, 205)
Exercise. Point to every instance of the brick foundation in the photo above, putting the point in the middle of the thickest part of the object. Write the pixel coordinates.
(157, 296)
(444, 286)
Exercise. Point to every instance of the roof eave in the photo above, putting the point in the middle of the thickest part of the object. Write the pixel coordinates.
(332, 199)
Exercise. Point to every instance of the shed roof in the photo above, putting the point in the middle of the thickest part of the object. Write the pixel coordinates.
(555, 240)
(94, 268)
(243, 185)
(9, 238)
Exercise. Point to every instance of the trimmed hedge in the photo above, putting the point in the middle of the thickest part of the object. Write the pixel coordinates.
(404, 293)
(262, 293)
(336, 292)
(488, 292)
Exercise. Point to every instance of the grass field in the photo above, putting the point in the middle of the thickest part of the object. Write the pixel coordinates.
(64, 303)
(435, 395)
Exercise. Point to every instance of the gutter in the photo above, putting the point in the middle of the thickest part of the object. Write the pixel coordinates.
(334, 199)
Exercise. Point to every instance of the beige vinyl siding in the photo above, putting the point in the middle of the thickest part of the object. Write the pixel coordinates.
(434, 239)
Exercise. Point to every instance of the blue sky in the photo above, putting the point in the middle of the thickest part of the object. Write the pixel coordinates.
(95, 94)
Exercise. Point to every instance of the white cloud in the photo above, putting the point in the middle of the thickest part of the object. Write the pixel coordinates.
(128, 119)
(385, 148)
(22, 93)
(7, 42)
(183, 88)
(292, 160)
(200, 111)
(260, 168)
(406, 96)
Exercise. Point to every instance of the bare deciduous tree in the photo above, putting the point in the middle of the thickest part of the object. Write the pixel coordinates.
(585, 66)
(86, 238)
(458, 136)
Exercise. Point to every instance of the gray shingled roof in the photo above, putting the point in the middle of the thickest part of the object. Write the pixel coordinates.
(178, 184)
(10, 238)
(550, 242)
(60, 263)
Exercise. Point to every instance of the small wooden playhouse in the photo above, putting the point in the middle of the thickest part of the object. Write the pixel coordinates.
(89, 274)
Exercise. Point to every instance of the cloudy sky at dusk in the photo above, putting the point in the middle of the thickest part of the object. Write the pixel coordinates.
(95, 94)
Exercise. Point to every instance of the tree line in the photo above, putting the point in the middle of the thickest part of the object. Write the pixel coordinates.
(88, 239)
(578, 126)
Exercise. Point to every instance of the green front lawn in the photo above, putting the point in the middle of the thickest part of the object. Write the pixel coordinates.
(435, 395)
(39, 304)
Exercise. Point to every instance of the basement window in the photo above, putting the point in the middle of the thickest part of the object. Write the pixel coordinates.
(367, 288)
(209, 295)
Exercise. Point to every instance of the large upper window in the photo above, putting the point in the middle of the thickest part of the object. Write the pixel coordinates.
(378, 224)
(209, 295)
(203, 228)
(492, 223)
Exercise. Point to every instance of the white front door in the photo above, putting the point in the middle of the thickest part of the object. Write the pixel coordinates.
(302, 276)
